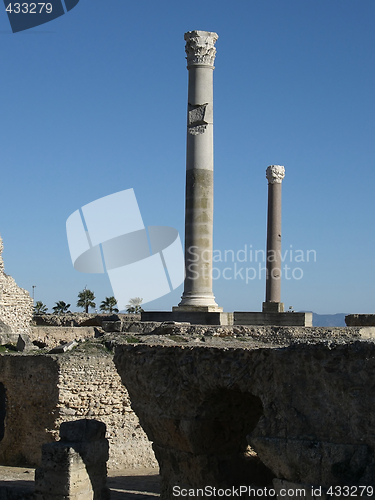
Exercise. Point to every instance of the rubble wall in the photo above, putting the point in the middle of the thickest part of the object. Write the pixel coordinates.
(31, 389)
(53, 336)
(42, 391)
(16, 305)
(90, 387)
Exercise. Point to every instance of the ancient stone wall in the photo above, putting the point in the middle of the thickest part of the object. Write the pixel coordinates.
(31, 392)
(90, 387)
(306, 407)
(16, 305)
(42, 391)
(52, 336)
(83, 319)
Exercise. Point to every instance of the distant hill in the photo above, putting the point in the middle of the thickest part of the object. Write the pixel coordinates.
(329, 319)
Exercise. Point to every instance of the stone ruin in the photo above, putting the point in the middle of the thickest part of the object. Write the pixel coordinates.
(16, 305)
(38, 392)
(75, 468)
(268, 407)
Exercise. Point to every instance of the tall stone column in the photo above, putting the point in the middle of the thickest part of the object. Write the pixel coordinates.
(198, 294)
(275, 174)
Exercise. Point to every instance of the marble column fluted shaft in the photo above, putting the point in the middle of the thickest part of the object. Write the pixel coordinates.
(200, 52)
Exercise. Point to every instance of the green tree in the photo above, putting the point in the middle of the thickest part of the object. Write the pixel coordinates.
(86, 299)
(109, 304)
(40, 308)
(61, 307)
(134, 306)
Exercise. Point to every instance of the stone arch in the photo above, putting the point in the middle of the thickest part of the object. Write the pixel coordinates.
(228, 416)
(207, 444)
(2, 410)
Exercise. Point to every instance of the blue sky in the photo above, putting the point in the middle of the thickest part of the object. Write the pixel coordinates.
(94, 102)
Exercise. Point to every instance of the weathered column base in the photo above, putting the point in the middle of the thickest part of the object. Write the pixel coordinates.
(205, 309)
(273, 307)
(272, 318)
(201, 301)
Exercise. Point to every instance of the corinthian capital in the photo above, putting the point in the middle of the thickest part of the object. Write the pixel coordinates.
(275, 174)
(200, 47)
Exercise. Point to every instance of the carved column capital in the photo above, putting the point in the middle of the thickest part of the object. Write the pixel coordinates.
(275, 174)
(200, 47)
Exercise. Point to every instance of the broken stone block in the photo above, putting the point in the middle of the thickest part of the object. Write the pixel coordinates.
(63, 473)
(112, 326)
(63, 348)
(24, 343)
(75, 468)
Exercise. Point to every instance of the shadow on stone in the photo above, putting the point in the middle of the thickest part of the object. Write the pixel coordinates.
(2, 410)
(215, 450)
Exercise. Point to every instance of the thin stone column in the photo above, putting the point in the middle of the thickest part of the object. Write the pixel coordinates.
(198, 294)
(275, 174)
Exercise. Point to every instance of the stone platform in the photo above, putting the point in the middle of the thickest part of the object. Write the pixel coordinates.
(360, 320)
(193, 317)
(232, 406)
(223, 318)
(277, 319)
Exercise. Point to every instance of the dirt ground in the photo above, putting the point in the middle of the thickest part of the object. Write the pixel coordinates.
(127, 484)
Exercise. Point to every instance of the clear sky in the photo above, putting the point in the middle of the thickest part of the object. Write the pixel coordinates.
(94, 102)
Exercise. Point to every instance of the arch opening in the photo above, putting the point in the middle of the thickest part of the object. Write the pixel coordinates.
(226, 417)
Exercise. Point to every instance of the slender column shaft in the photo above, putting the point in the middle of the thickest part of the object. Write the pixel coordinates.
(275, 175)
(200, 52)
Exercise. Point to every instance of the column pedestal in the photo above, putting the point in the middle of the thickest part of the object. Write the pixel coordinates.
(273, 307)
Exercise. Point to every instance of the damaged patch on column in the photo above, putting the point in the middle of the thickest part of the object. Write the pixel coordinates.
(197, 123)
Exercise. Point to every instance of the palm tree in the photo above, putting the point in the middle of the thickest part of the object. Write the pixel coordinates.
(109, 304)
(40, 308)
(86, 299)
(134, 306)
(61, 307)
